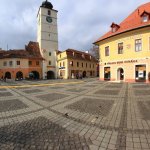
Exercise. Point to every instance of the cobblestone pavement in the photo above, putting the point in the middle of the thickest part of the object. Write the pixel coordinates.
(74, 115)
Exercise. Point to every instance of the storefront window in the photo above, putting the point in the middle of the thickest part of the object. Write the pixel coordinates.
(140, 72)
(107, 74)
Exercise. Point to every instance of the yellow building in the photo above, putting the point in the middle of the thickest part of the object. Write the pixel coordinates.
(125, 50)
(73, 64)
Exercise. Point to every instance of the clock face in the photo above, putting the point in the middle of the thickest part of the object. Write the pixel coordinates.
(49, 19)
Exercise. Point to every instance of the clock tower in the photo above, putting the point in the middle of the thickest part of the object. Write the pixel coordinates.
(47, 37)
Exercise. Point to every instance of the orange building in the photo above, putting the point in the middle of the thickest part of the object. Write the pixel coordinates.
(21, 64)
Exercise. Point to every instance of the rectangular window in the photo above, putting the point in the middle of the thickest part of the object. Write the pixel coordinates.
(5, 63)
(37, 63)
(60, 64)
(50, 63)
(107, 51)
(30, 63)
(86, 65)
(82, 65)
(138, 45)
(63, 64)
(49, 12)
(77, 64)
(120, 48)
(10, 63)
(49, 53)
(71, 63)
(18, 63)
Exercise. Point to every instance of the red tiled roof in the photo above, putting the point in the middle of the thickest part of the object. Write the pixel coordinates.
(32, 51)
(75, 54)
(133, 21)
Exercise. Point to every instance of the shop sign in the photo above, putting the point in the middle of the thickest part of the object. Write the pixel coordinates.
(121, 62)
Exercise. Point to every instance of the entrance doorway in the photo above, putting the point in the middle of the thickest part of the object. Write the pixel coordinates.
(107, 75)
(19, 75)
(34, 75)
(120, 73)
(84, 74)
(50, 75)
(8, 75)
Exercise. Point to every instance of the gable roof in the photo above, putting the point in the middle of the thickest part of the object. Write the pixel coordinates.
(31, 51)
(80, 55)
(133, 21)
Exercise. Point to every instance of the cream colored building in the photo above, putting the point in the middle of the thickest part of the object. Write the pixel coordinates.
(47, 37)
(72, 63)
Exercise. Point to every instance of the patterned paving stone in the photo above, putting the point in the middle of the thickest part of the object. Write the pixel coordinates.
(2, 94)
(142, 92)
(92, 106)
(76, 90)
(32, 91)
(10, 105)
(1, 90)
(114, 86)
(107, 92)
(144, 108)
(51, 97)
(40, 134)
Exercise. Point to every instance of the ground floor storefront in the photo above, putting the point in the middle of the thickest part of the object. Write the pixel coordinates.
(72, 74)
(22, 73)
(128, 71)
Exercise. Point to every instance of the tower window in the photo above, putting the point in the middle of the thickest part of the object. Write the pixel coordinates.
(50, 63)
(49, 12)
(50, 54)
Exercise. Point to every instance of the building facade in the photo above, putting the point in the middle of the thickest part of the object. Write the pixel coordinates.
(72, 64)
(21, 64)
(47, 37)
(125, 50)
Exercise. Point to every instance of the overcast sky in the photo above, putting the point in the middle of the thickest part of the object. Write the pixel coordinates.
(80, 22)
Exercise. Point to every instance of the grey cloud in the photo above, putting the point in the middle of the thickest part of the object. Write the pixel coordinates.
(80, 23)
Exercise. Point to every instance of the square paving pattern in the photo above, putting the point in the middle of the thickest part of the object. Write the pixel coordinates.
(32, 91)
(142, 92)
(76, 90)
(1, 90)
(92, 106)
(2, 94)
(10, 105)
(144, 109)
(51, 97)
(107, 92)
(40, 134)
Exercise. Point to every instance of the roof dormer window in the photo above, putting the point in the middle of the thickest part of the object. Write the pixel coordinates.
(145, 16)
(114, 27)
